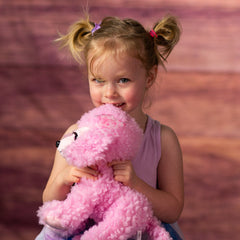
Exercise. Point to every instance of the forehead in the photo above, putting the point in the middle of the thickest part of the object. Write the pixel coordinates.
(110, 65)
(100, 50)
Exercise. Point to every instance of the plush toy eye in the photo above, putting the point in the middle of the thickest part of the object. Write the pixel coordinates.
(76, 135)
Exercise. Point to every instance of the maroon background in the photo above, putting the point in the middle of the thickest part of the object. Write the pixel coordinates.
(42, 92)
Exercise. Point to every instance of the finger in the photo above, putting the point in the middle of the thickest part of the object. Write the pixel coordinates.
(115, 162)
(88, 171)
(84, 175)
(119, 172)
(118, 163)
(125, 166)
(122, 179)
(94, 167)
(75, 179)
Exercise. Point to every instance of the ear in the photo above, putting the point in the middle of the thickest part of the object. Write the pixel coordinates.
(152, 74)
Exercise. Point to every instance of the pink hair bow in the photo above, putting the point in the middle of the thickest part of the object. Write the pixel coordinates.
(153, 33)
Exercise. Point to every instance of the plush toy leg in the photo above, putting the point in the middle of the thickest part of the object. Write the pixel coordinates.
(156, 231)
(68, 215)
(121, 221)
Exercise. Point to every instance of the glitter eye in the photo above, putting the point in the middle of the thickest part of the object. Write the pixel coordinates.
(76, 135)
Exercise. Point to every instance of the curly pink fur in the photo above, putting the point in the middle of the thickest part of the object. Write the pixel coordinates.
(104, 134)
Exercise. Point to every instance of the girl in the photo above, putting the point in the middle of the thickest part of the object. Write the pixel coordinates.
(122, 61)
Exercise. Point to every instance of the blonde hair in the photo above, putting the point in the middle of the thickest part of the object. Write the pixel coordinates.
(126, 35)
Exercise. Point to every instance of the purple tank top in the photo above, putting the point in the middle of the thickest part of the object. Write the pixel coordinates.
(146, 162)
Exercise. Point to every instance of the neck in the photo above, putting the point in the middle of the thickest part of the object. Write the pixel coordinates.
(141, 119)
(143, 123)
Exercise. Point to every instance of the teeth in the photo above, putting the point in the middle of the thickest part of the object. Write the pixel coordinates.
(118, 105)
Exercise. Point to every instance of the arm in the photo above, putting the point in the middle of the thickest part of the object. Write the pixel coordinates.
(167, 201)
(63, 176)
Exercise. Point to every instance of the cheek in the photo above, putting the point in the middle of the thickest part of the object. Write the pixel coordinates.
(95, 95)
(135, 96)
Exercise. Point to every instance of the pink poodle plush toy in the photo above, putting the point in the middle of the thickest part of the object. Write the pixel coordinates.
(104, 134)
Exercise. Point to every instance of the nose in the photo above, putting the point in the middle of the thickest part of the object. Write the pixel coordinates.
(110, 91)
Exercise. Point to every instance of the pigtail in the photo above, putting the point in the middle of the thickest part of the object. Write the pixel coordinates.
(77, 37)
(167, 35)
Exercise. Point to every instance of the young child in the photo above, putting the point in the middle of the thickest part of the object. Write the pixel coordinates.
(122, 60)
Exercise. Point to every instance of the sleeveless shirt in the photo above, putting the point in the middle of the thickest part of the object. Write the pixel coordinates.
(146, 162)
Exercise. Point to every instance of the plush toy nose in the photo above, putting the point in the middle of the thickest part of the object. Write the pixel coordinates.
(57, 143)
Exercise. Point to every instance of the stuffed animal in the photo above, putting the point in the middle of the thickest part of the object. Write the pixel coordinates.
(104, 134)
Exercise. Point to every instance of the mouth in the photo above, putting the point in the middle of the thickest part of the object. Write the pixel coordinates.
(119, 105)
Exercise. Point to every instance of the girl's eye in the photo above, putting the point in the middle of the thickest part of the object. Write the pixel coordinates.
(124, 80)
(98, 81)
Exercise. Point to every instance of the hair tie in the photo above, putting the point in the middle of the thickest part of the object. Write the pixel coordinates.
(153, 33)
(96, 27)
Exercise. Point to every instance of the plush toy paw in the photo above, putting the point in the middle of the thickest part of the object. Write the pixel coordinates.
(51, 233)
(54, 222)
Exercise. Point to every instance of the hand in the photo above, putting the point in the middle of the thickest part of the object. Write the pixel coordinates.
(70, 175)
(123, 172)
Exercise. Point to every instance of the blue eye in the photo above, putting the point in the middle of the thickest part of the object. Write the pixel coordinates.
(124, 80)
(97, 80)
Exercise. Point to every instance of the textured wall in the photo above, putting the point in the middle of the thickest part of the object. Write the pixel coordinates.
(43, 91)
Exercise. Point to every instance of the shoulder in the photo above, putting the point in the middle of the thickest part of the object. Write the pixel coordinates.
(167, 132)
(169, 140)
(170, 166)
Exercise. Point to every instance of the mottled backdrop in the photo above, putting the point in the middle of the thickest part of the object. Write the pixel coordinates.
(43, 91)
